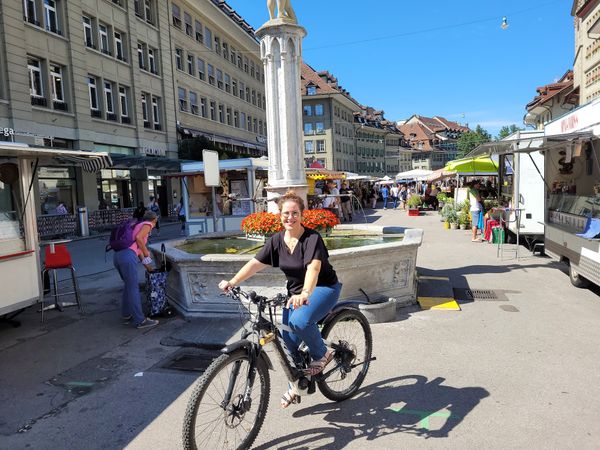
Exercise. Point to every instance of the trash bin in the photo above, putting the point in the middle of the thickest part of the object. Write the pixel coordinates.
(82, 213)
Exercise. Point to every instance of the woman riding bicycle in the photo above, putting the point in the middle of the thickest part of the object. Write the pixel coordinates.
(312, 284)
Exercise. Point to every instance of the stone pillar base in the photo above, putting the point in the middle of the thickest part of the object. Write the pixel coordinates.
(274, 192)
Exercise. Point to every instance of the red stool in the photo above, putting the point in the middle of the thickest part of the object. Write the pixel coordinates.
(58, 257)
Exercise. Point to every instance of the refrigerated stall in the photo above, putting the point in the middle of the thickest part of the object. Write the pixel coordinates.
(19, 245)
(572, 172)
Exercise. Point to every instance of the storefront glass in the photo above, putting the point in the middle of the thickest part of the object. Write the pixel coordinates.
(114, 189)
(57, 185)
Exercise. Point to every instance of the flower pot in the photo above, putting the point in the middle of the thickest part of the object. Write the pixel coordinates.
(453, 226)
(463, 226)
(413, 211)
(446, 225)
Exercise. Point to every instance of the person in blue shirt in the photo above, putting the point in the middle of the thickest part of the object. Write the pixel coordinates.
(385, 192)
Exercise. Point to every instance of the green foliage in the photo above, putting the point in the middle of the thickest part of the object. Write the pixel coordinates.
(506, 131)
(414, 201)
(442, 197)
(452, 216)
(464, 218)
(470, 140)
(490, 203)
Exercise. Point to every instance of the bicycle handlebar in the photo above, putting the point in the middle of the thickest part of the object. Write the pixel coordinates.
(237, 293)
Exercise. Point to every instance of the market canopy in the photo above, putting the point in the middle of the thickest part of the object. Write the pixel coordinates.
(89, 161)
(483, 165)
(324, 174)
(440, 174)
(415, 174)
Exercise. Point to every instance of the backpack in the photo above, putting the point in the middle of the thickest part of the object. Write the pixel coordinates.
(122, 237)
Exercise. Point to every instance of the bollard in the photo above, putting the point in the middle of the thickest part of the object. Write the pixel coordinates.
(84, 229)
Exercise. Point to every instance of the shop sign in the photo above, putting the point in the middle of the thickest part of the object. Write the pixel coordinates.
(153, 151)
(578, 120)
(6, 132)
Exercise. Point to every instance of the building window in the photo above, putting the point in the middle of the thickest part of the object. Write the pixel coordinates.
(51, 16)
(30, 12)
(309, 147)
(57, 86)
(201, 69)
(242, 91)
(148, 11)
(182, 99)
(36, 82)
(109, 106)
(176, 12)
(152, 61)
(233, 55)
(156, 112)
(93, 93)
(242, 120)
(178, 55)
(208, 37)
(245, 64)
(239, 62)
(203, 107)
(119, 51)
(145, 110)
(228, 116)
(225, 50)
(236, 119)
(319, 110)
(213, 107)
(221, 114)
(219, 78)
(199, 34)
(194, 103)
(252, 69)
(87, 32)
(253, 97)
(255, 125)
(320, 128)
(260, 127)
(188, 24)
(320, 146)
(104, 45)
(211, 74)
(141, 59)
(124, 104)
(234, 87)
(217, 45)
(227, 79)
(190, 64)
(307, 110)
(311, 90)
(248, 94)
(308, 128)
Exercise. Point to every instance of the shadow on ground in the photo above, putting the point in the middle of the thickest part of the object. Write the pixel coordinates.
(409, 404)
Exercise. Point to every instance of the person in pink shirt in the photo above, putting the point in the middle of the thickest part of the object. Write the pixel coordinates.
(126, 262)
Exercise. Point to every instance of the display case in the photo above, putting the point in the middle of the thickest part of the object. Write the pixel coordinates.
(572, 211)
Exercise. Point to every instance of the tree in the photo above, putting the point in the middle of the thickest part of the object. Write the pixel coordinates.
(506, 131)
(470, 140)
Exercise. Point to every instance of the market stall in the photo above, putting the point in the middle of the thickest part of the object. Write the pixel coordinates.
(240, 194)
(572, 173)
(316, 178)
(19, 245)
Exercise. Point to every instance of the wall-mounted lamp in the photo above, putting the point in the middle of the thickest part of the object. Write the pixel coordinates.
(504, 25)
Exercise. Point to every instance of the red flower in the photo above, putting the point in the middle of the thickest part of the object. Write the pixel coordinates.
(265, 223)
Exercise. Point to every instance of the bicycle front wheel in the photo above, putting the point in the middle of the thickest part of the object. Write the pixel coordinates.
(213, 422)
(350, 334)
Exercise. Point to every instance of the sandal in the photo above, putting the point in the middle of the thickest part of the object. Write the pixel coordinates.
(290, 397)
(316, 367)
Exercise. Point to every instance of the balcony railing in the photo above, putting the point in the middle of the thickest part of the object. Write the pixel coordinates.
(38, 101)
(61, 106)
(125, 119)
(111, 116)
(157, 126)
(147, 124)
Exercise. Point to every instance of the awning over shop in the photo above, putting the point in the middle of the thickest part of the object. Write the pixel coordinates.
(144, 162)
(483, 165)
(221, 139)
(89, 161)
(415, 174)
(440, 174)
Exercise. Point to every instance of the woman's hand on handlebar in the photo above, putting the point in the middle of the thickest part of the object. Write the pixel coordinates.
(298, 300)
(226, 286)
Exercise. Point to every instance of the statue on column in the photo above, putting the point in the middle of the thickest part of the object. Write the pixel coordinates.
(284, 10)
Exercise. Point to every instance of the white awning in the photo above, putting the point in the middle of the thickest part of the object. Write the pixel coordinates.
(89, 161)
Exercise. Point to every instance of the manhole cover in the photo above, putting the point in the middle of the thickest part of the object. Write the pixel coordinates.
(189, 360)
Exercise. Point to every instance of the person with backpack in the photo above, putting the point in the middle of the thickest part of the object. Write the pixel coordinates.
(126, 260)
(155, 208)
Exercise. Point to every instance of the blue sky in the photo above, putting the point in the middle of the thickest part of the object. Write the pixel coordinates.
(436, 57)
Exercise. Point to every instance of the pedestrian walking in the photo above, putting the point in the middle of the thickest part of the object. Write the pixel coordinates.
(394, 192)
(476, 210)
(155, 208)
(138, 213)
(385, 192)
(126, 262)
(180, 209)
(345, 202)
(403, 194)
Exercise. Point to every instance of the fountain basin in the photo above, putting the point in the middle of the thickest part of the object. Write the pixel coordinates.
(382, 270)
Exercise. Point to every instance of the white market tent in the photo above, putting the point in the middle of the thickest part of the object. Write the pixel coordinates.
(415, 174)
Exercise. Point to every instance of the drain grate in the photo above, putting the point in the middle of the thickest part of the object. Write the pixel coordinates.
(189, 360)
(470, 295)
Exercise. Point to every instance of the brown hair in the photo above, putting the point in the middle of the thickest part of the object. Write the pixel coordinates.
(290, 196)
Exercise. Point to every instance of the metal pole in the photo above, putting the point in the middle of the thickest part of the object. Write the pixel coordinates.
(214, 207)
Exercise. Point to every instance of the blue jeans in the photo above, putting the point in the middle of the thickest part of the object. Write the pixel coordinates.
(395, 201)
(126, 263)
(385, 199)
(303, 321)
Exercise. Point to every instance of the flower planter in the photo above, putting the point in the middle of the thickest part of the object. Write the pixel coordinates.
(446, 225)
(463, 226)
(413, 212)
(453, 226)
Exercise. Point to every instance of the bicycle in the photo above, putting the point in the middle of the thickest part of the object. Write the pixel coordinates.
(229, 386)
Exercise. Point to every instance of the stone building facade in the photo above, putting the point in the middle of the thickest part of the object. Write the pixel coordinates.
(586, 66)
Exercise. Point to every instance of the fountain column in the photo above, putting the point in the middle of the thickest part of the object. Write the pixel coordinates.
(281, 53)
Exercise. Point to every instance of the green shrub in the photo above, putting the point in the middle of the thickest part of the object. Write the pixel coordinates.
(414, 201)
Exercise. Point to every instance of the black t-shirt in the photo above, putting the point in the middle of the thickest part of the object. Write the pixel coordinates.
(310, 246)
(344, 198)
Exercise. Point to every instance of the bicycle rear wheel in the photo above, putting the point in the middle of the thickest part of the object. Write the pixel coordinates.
(349, 330)
(209, 422)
